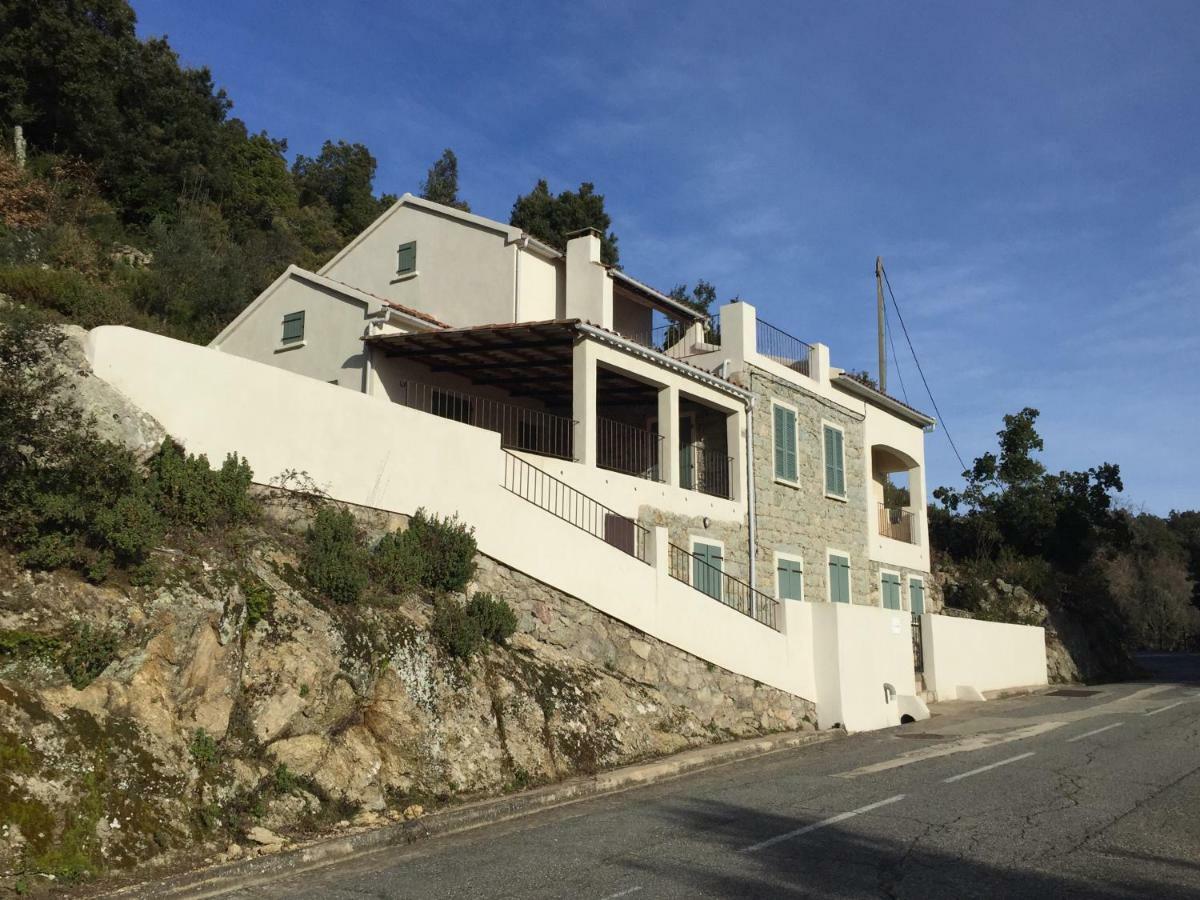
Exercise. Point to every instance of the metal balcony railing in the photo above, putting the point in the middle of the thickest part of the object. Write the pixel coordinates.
(674, 339)
(723, 587)
(781, 347)
(897, 524)
(561, 500)
(707, 471)
(520, 427)
(629, 449)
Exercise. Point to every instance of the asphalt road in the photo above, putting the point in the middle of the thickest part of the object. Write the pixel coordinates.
(1046, 796)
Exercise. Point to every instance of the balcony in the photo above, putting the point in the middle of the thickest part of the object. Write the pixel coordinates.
(706, 471)
(680, 341)
(897, 523)
(626, 448)
(780, 347)
(520, 427)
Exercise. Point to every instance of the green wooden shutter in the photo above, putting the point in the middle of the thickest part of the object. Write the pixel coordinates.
(839, 460)
(835, 466)
(706, 569)
(293, 327)
(790, 441)
(839, 579)
(791, 580)
(890, 585)
(406, 258)
(916, 596)
(780, 442)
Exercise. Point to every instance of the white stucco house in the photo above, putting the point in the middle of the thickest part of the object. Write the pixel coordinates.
(711, 480)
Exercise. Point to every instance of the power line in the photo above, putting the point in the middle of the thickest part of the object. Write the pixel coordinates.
(921, 372)
(895, 356)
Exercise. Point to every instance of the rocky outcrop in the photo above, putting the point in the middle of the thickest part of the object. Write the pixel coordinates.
(200, 727)
(115, 417)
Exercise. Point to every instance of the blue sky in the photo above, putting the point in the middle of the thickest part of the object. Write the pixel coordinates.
(1030, 173)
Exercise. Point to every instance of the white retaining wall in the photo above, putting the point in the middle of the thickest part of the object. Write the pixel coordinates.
(967, 657)
(369, 451)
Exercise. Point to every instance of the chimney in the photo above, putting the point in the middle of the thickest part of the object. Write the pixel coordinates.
(589, 289)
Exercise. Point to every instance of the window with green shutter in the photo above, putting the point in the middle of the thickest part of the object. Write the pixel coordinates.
(785, 443)
(706, 569)
(839, 579)
(789, 575)
(916, 596)
(293, 327)
(835, 462)
(890, 585)
(406, 258)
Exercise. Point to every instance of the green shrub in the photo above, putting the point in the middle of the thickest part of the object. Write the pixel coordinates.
(66, 292)
(461, 629)
(284, 780)
(497, 621)
(258, 601)
(394, 565)
(189, 492)
(433, 552)
(335, 561)
(453, 629)
(87, 652)
(203, 749)
(27, 645)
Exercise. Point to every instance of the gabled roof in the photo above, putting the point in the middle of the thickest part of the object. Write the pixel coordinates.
(510, 233)
(371, 301)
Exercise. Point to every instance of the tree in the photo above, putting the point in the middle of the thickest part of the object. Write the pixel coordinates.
(700, 298)
(441, 183)
(1009, 500)
(342, 176)
(1186, 526)
(1150, 580)
(550, 219)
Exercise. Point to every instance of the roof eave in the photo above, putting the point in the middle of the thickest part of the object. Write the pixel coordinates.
(656, 296)
(898, 409)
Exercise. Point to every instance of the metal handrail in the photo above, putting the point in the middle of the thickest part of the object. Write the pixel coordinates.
(669, 339)
(723, 587)
(561, 500)
(626, 448)
(781, 347)
(897, 523)
(520, 427)
(709, 470)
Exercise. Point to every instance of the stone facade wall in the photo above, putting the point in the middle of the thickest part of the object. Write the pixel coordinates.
(933, 595)
(733, 536)
(799, 519)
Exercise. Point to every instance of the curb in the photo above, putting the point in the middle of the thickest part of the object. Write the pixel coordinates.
(329, 850)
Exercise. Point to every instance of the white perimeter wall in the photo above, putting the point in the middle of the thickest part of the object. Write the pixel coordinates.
(965, 655)
(369, 451)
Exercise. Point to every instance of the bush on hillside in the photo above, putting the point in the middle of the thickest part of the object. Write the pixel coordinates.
(189, 492)
(433, 552)
(461, 629)
(335, 560)
(71, 500)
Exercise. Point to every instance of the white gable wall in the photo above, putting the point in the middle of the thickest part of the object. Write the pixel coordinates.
(333, 328)
(465, 275)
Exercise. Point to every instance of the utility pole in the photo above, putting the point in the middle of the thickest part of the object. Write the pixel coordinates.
(882, 323)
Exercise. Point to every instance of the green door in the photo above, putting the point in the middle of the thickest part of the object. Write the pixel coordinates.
(891, 590)
(706, 569)
(916, 596)
(839, 579)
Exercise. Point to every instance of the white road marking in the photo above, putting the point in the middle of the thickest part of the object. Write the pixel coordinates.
(1003, 762)
(840, 817)
(1155, 712)
(963, 745)
(624, 893)
(1087, 734)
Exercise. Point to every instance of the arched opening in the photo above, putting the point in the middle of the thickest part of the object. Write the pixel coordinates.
(898, 493)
